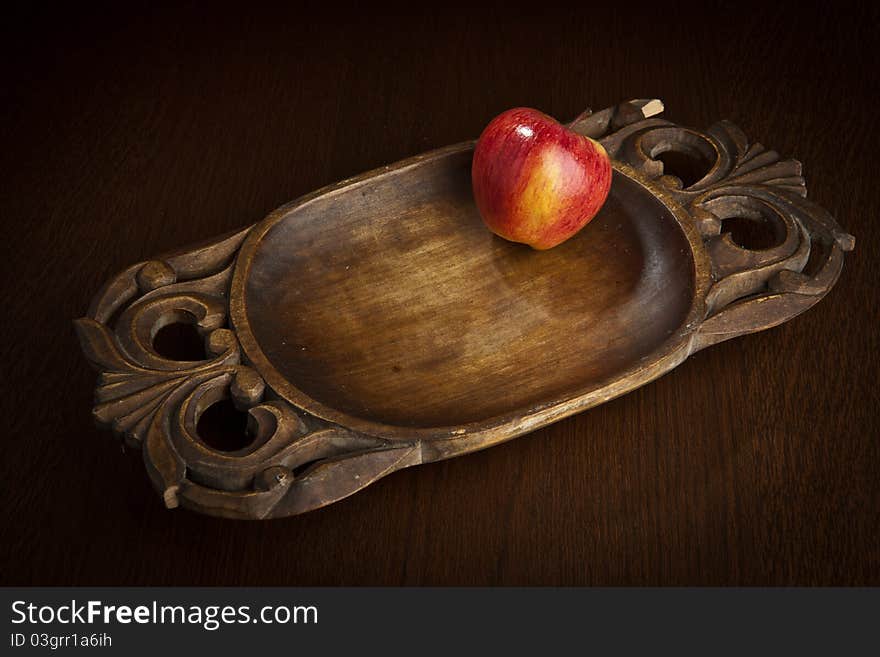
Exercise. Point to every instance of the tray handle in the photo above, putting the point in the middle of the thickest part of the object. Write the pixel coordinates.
(757, 289)
(751, 289)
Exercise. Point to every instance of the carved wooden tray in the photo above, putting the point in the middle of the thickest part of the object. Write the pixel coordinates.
(376, 324)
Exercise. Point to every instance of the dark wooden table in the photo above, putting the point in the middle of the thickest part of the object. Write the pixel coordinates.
(126, 135)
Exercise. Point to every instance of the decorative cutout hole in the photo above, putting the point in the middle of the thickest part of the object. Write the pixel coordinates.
(755, 234)
(688, 166)
(179, 341)
(224, 428)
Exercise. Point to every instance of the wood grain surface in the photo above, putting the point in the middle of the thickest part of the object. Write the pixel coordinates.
(126, 133)
(402, 309)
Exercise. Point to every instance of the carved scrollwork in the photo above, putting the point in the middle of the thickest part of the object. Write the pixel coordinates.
(154, 403)
(752, 289)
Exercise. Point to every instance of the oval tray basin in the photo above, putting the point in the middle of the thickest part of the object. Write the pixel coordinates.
(390, 301)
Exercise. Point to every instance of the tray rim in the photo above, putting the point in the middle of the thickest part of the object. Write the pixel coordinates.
(666, 356)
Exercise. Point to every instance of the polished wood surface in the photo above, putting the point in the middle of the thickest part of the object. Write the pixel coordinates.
(754, 462)
(391, 301)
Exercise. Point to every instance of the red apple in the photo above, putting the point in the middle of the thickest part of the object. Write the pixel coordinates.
(535, 181)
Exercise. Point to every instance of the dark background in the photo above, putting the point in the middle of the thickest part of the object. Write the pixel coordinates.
(126, 133)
